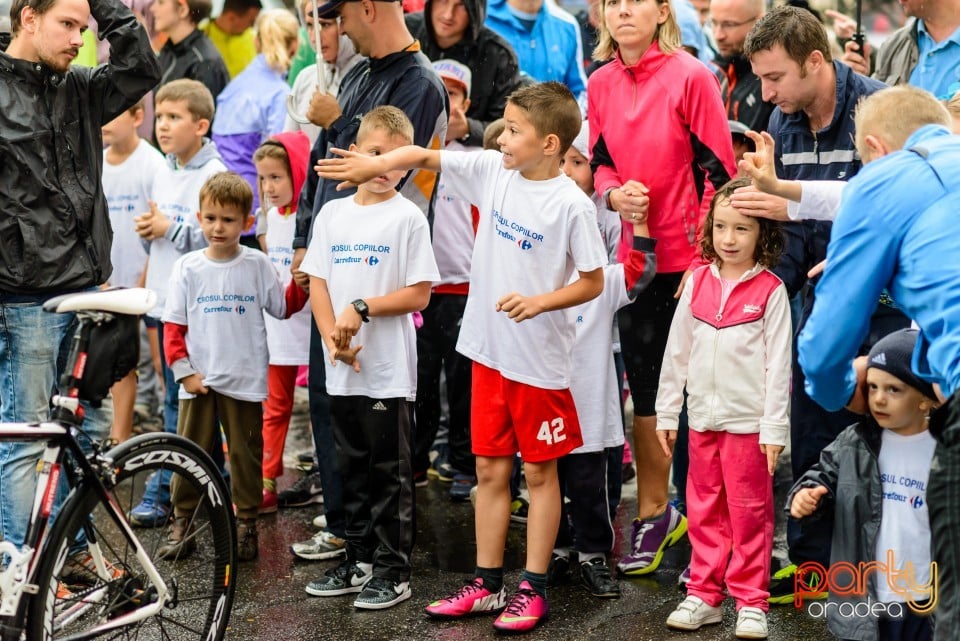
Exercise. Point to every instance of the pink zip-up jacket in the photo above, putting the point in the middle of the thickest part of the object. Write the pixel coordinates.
(733, 355)
(662, 122)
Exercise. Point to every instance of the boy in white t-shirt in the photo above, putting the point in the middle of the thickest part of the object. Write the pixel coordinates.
(874, 478)
(184, 110)
(217, 299)
(129, 167)
(537, 230)
(371, 265)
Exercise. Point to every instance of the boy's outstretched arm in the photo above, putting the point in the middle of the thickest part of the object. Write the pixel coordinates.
(520, 308)
(354, 168)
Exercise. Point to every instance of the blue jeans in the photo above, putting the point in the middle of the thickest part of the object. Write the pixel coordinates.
(158, 484)
(33, 349)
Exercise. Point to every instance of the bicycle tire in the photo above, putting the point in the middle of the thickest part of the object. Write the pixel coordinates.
(202, 586)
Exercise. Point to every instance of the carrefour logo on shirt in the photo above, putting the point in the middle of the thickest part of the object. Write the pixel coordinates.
(515, 232)
(359, 253)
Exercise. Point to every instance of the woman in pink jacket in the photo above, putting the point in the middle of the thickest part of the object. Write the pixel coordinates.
(661, 146)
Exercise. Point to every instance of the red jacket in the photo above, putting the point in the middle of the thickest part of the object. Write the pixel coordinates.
(662, 122)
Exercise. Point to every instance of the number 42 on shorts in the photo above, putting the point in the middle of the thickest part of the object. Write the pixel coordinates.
(551, 432)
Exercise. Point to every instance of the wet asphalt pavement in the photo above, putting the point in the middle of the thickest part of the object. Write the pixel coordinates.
(271, 603)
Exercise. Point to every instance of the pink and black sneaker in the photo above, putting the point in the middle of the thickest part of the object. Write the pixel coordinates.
(472, 598)
(524, 612)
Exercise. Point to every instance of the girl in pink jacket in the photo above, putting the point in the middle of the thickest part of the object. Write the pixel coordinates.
(729, 346)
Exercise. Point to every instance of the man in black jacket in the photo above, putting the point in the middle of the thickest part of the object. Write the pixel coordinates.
(454, 30)
(55, 234)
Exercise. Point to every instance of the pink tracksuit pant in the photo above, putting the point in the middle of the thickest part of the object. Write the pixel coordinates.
(730, 519)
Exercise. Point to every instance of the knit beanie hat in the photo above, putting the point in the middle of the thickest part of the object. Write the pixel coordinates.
(893, 354)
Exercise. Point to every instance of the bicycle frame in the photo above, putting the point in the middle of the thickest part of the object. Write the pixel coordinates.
(20, 575)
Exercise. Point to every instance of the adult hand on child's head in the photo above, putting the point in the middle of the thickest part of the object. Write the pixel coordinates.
(668, 439)
(750, 201)
(520, 308)
(806, 500)
(194, 384)
(323, 110)
(772, 452)
(858, 402)
(759, 164)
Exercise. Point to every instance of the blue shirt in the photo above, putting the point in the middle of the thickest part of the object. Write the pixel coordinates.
(897, 228)
(938, 66)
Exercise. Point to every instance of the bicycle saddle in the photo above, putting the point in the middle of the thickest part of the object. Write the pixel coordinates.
(133, 301)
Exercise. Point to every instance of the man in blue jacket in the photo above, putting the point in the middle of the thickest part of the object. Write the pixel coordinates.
(896, 230)
(812, 126)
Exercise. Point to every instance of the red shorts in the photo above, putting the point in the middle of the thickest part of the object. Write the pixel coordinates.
(507, 416)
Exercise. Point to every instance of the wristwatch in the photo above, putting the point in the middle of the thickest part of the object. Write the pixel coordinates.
(361, 306)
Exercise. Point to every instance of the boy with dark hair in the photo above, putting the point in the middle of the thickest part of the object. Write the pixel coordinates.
(515, 327)
(370, 258)
(217, 300)
(188, 52)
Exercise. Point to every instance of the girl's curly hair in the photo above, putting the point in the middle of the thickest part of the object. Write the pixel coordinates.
(769, 244)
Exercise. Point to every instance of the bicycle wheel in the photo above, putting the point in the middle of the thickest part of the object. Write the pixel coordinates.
(91, 578)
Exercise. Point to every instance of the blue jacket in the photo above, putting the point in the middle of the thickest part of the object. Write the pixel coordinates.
(896, 229)
(552, 51)
(830, 155)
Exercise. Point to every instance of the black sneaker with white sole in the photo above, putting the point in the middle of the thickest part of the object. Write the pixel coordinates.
(306, 491)
(381, 593)
(346, 578)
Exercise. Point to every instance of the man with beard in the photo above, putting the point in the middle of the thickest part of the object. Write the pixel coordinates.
(55, 229)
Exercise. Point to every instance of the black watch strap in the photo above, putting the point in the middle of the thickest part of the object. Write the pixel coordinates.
(361, 306)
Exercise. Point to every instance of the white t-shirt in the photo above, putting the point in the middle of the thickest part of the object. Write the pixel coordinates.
(288, 340)
(128, 186)
(532, 237)
(453, 234)
(222, 303)
(367, 251)
(594, 382)
(177, 194)
(904, 525)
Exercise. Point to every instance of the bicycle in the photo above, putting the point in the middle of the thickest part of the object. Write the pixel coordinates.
(84, 572)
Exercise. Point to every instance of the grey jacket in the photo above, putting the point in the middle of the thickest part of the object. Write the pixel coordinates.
(898, 56)
(850, 463)
(54, 229)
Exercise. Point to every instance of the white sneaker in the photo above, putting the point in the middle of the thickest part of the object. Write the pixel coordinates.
(692, 613)
(751, 624)
(320, 521)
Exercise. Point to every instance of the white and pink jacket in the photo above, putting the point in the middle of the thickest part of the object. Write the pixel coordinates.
(730, 346)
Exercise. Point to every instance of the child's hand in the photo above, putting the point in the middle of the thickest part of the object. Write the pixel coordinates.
(351, 169)
(301, 278)
(806, 500)
(520, 308)
(346, 327)
(347, 356)
(668, 439)
(152, 224)
(773, 453)
(457, 125)
(194, 384)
